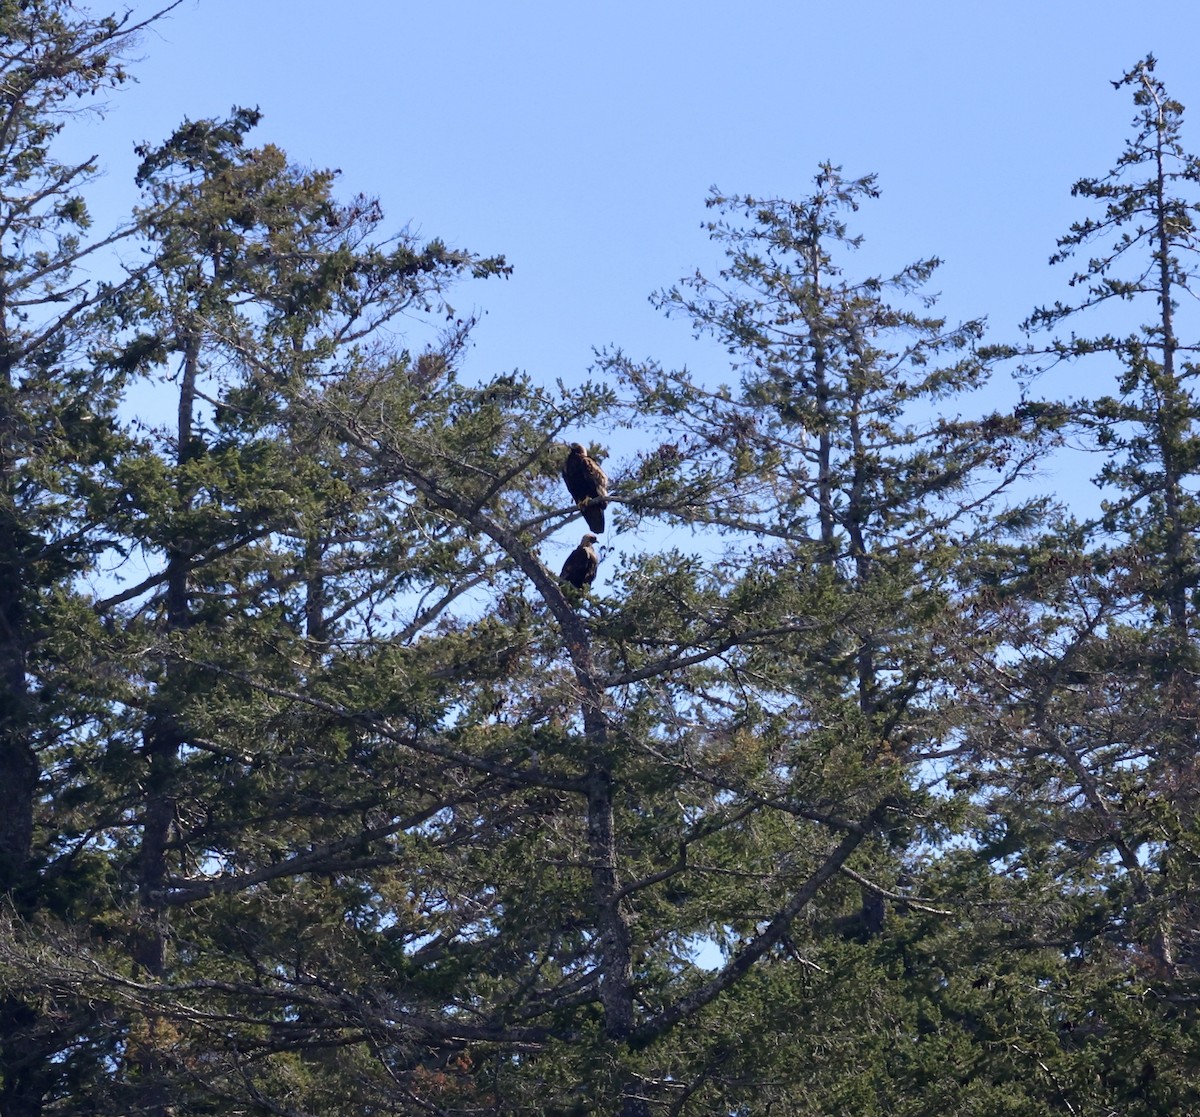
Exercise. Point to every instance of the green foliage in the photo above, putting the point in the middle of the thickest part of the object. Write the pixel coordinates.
(341, 804)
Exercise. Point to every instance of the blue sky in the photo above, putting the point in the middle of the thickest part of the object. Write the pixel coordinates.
(580, 140)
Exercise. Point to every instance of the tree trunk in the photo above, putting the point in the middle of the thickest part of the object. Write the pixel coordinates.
(23, 1072)
(163, 738)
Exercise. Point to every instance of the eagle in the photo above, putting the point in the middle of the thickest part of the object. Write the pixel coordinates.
(581, 564)
(586, 482)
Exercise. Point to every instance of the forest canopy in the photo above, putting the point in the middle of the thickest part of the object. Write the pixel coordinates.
(323, 793)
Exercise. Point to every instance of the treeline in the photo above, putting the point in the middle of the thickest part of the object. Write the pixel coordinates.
(323, 794)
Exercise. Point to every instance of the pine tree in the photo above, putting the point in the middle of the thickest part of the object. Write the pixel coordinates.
(535, 802)
(260, 289)
(1090, 769)
(849, 500)
(1138, 642)
(162, 732)
(346, 803)
(57, 434)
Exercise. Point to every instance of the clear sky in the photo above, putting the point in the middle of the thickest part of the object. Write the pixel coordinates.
(580, 139)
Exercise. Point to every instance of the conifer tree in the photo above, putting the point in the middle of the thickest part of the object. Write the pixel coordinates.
(261, 287)
(1137, 642)
(847, 490)
(57, 434)
(344, 803)
(257, 287)
(535, 802)
(1089, 768)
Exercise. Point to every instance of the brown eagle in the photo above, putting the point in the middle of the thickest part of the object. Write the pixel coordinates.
(586, 482)
(581, 564)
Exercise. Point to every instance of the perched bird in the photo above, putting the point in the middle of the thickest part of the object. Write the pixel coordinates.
(586, 482)
(581, 564)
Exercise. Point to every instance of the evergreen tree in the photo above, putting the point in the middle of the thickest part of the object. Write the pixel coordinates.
(847, 496)
(346, 804)
(1089, 774)
(261, 288)
(264, 541)
(57, 435)
(486, 832)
